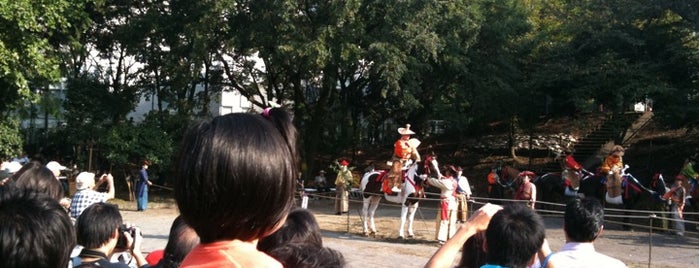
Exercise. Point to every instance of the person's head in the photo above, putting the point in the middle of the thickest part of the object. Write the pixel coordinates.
(85, 180)
(145, 164)
(236, 175)
(35, 176)
(679, 181)
(617, 152)
(321, 172)
(56, 168)
(180, 242)
(301, 255)
(459, 171)
(449, 171)
(36, 231)
(98, 225)
(343, 165)
(583, 220)
(300, 226)
(514, 235)
(527, 176)
(405, 132)
(7, 169)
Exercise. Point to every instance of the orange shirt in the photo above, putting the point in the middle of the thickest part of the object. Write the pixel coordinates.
(233, 253)
(611, 162)
(402, 149)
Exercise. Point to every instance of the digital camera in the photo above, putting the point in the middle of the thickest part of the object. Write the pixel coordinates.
(122, 242)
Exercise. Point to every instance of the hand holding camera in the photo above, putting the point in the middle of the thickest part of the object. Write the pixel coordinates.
(130, 238)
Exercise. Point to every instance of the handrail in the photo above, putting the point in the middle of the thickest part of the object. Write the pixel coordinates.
(638, 129)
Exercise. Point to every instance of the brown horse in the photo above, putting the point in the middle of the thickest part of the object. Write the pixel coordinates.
(503, 182)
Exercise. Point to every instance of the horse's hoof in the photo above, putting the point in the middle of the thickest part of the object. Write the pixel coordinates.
(366, 234)
(372, 234)
(401, 237)
(411, 236)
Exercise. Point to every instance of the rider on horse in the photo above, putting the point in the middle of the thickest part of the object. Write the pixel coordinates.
(571, 170)
(404, 150)
(611, 169)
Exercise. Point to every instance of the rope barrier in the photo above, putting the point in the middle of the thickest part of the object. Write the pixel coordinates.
(476, 202)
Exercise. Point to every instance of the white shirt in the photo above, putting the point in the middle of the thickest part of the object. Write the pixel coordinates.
(464, 185)
(583, 255)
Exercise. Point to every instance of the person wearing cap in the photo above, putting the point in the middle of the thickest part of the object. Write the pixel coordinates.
(677, 196)
(142, 187)
(86, 195)
(56, 168)
(405, 148)
(321, 182)
(342, 184)
(689, 173)
(571, 170)
(527, 190)
(446, 218)
(463, 194)
(611, 170)
(7, 169)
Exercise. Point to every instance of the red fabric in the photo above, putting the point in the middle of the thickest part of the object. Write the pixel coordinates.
(444, 213)
(571, 163)
(524, 192)
(402, 149)
(155, 256)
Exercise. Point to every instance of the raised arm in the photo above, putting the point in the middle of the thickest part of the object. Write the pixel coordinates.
(444, 256)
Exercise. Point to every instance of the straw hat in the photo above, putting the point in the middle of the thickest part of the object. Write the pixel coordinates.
(405, 130)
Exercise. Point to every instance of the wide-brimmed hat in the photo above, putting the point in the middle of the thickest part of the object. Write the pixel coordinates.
(405, 130)
(53, 165)
(84, 180)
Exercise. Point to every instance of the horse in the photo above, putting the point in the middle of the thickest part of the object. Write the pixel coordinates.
(631, 187)
(502, 181)
(409, 196)
(551, 187)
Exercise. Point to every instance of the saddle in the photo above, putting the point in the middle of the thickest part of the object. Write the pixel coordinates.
(387, 183)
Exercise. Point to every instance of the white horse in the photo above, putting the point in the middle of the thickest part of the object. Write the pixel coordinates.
(411, 192)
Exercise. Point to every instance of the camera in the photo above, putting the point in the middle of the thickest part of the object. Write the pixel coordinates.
(122, 243)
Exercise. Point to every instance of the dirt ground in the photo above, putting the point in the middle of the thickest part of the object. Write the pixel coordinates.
(344, 233)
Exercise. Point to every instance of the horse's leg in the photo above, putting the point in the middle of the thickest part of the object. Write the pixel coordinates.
(411, 218)
(403, 216)
(372, 211)
(365, 213)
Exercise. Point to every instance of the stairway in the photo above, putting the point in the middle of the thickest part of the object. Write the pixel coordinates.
(616, 129)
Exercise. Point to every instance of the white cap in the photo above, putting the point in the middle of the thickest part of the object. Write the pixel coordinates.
(84, 180)
(10, 167)
(53, 165)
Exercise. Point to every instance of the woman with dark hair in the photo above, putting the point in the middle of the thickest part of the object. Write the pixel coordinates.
(36, 177)
(299, 243)
(180, 242)
(300, 226)
(235, 184)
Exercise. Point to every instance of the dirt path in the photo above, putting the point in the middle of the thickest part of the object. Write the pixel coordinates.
(385, 250)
